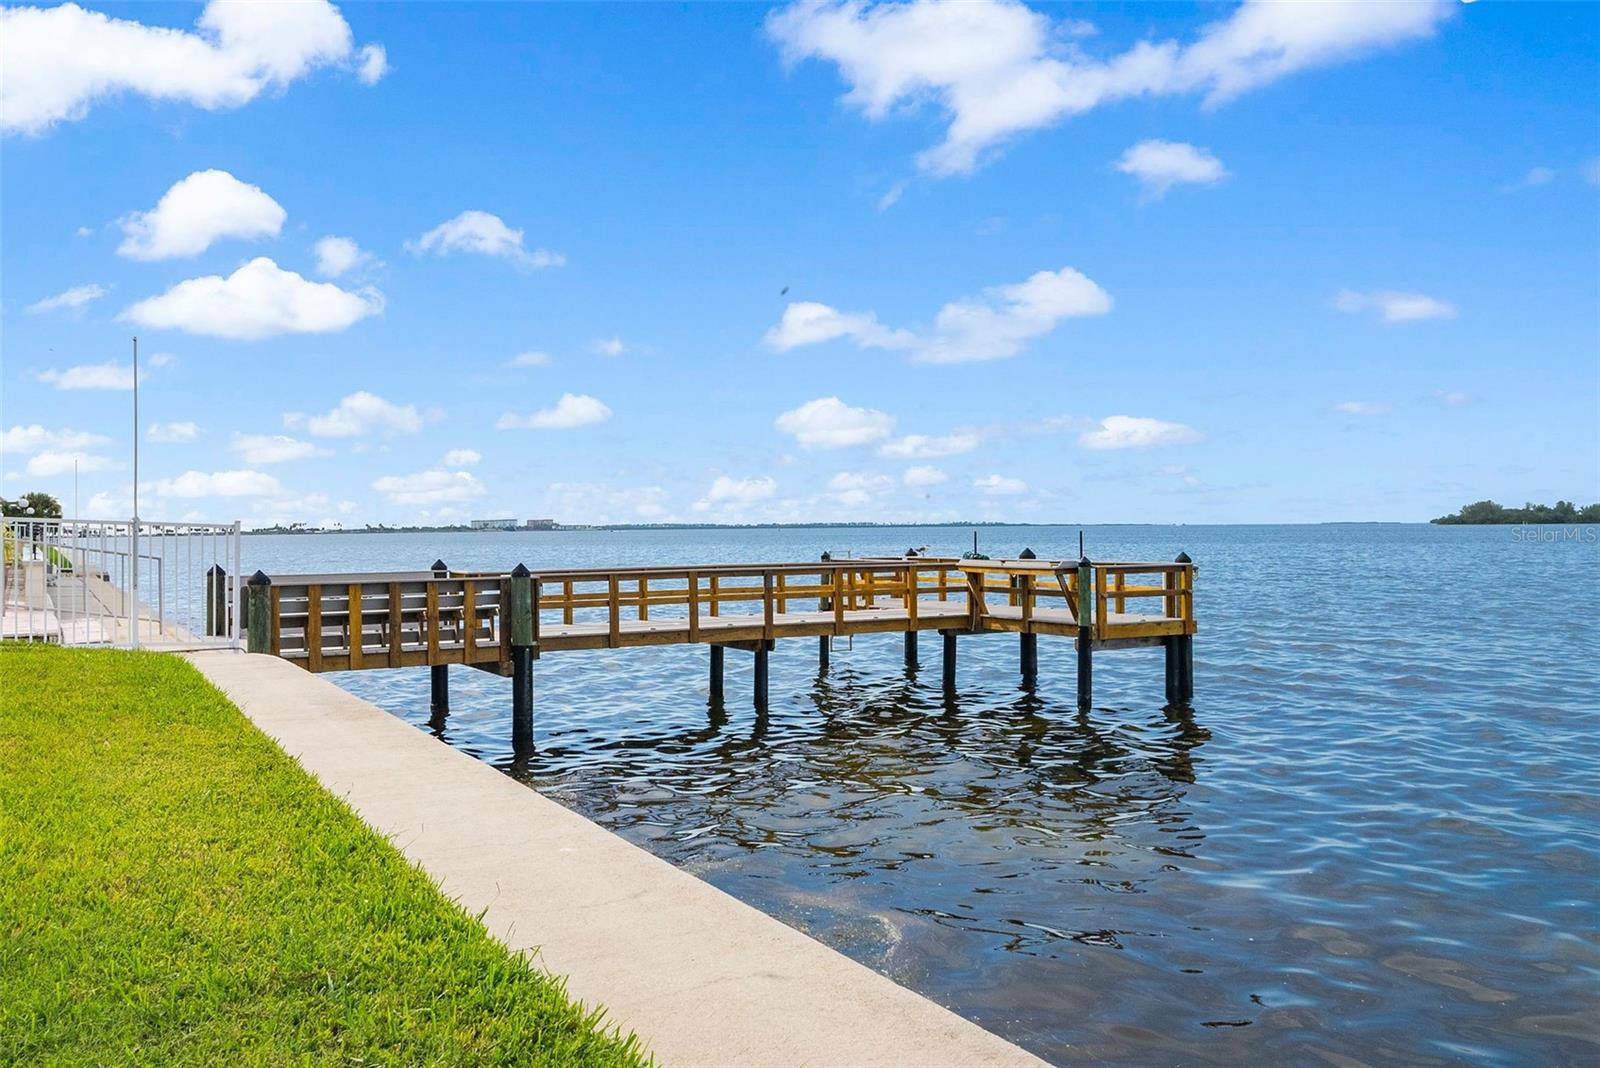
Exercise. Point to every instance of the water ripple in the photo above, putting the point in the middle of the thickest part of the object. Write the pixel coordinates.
(1374, 841)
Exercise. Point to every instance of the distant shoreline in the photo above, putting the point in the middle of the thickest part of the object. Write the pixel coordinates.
(596, 527)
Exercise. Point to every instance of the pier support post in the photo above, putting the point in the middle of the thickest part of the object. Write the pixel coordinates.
(716, 674)
(1085, 634)
(440, 689)
(949, 661)
(1180, 670)
(523, 623)
(911, 650)
(1030, 662)
(761, 677)
(825, 641)
(258, 618)
(521, 699)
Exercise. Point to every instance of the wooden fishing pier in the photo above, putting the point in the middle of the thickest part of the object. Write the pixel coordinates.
(503, 622)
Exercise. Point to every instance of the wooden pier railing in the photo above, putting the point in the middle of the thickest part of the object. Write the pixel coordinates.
(491, 621)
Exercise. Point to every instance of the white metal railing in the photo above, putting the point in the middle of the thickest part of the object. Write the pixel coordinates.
(122, 583)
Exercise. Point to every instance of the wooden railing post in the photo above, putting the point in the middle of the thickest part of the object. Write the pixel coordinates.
(259, 614)
(694, 606)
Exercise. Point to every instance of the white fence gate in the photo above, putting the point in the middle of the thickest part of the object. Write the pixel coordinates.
(122, 583)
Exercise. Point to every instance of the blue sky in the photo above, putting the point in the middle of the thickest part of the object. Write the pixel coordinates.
(1140, 262)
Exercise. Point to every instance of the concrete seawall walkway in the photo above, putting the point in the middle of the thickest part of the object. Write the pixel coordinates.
(701, 977)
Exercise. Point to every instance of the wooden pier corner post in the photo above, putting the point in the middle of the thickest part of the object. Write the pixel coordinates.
(523, 649)
(1180, 653)
(1085, 634)
(258, 617)
(440, 673)
(1028, 643)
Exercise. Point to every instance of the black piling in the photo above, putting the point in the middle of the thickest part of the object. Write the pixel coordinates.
(1180, 661)
(760, 695)
(716, 675)
(1180, 670)
(524, 649)
(911, 650)
(1030, 661)
(258, 617)
(1085, 634)
(440, 673)
(216, 601)
(825, 641)
(521, 698)
(949, 661)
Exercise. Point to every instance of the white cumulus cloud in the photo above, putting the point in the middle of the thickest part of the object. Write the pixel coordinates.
(1360, 408)
(462, 457)
(997, 324)
(72, 300)
(931, 446)
(111, 375)
(1393, 307)
(1136, 432)
(486, 235)
(372, 63)
(572, 410)
(530, 359)
(259, 300)
(1160, 165)
(172, 433)
(807, 322)
(997, 68)
(725, 490)
(1000, 486)
(924, 475)
(195, 213)
(358, 414)
(240, 483)
(830, 423)
(273, 448)
(33, 438)
(50, 464)
(338, 256)
(434, 486)
(59, 61)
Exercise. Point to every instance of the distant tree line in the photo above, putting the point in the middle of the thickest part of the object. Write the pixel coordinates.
(1485, 512)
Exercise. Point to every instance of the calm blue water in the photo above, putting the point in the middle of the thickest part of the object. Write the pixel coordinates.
(1375, 840)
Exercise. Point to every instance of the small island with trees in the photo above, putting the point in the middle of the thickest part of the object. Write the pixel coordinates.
(1487, 513)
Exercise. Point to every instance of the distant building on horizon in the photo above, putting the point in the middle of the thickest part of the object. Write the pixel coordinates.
(539, 524)
(494, 524)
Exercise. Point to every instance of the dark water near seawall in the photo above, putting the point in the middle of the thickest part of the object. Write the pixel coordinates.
(1375, 840)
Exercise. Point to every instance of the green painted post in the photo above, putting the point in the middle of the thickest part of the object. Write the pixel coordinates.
(1085, 634)
(259, 619)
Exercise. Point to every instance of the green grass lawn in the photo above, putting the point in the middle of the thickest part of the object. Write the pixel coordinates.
(176, 890)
